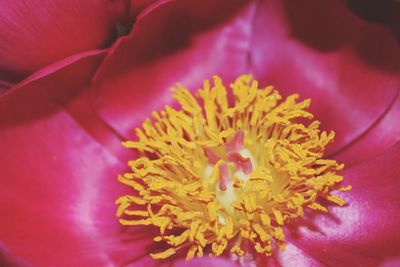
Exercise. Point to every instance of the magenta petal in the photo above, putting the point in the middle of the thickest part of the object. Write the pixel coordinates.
(294, 256)
(186, 41)
(349, 68)
(381, 136)
(136, 6)
(58, 183)
(8, 260)
(392, 262)
(206, 261)
(365, 231)
(4, 86)
(48, 70)
(35, 33)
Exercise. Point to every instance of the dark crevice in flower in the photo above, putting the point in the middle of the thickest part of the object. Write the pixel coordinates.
(386, 12)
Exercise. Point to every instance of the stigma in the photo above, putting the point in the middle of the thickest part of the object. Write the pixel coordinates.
(212, 176)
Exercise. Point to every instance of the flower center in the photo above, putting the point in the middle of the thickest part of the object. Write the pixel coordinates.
(211, 176)
(233, 168)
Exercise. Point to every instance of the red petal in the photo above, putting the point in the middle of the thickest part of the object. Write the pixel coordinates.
(392, 262)
(206, 261)
(384, 134)
(186, 41)
(56, 67)
(138, 5)
(58, 182)
(4, 86)
(349, 68)
(294, 256)
(35, 33)
(8, 260)
(365, 231)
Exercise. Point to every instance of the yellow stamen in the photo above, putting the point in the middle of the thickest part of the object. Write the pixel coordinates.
(210, 173)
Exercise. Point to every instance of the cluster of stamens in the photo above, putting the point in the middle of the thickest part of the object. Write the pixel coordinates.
(212, 176)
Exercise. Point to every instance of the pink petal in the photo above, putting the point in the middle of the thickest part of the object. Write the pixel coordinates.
(384, 134)
(4, 86)
(136, 6)
(185, 41)
(35, 33)
(349, 68)
(365, 231)
(206, 261)
(392, 262)
(58, 180)
(8, 260)
(48, 70)
(294, 256)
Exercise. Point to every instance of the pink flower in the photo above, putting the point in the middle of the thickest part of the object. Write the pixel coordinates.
(61, 128)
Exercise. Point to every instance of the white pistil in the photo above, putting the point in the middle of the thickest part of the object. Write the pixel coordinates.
(226, 197)
(207, 171)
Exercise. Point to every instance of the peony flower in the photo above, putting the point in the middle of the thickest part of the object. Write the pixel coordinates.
(61, 130)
